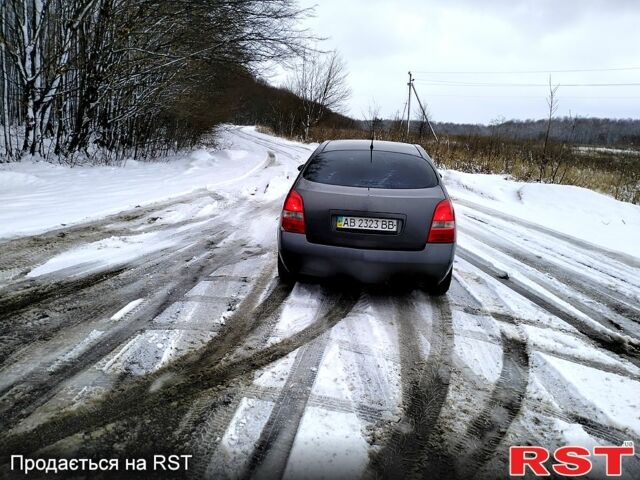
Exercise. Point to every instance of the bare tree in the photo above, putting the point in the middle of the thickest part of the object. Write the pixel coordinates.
(131, 77)
(320, 80)
(372, 120)
(552, 104)
(561, 157)
(6, 122)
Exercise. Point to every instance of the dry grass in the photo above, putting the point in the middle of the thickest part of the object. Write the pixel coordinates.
(613, 173)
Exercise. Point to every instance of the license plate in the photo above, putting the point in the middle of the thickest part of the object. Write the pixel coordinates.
(367, 223)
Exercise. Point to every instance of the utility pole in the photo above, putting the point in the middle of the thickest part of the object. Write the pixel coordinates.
(410, 84)
(424, 113)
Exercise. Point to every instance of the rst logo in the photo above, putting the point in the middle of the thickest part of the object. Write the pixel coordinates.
(570, 461)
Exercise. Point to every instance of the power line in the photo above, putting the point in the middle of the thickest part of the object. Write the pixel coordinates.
(510, 72)
(534, 96)
(453, 83)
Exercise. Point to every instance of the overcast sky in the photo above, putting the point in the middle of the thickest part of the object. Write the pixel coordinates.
(382, 40)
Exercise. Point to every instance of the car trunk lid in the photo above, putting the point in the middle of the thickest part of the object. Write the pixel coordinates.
(412, 209)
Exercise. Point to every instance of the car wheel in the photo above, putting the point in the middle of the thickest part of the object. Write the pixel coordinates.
(285, 275)
(441, 288)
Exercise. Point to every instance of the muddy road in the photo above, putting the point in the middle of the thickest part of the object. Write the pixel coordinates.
(194, 347)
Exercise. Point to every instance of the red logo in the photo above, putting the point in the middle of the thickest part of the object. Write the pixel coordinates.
(570, 461)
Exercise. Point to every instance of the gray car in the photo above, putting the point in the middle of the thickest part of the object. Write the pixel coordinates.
(370, 210)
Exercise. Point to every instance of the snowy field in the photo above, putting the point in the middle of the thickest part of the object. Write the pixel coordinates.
(141, 312)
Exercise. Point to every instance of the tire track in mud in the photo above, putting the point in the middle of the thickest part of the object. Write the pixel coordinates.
(617, 270)
(74, 301)
(22, 253)
(36, 321)
(374, 386)
(617, 256)
(488, 428)
(275, 146)
(474, 307)
(206, 422)
(619, 313)
(597, 365)
(516, 385)
(133, 397)
(198, 415)
(272, 449)
(610, 341)
(413, 449)
(31, 294)
(170, 386)
(364, 411)
(611, 322)
(250, 314)
(216, 422)
(616, 301)
(209, 416)
(43, 385)
(600, 430)
(604, 432)
(271, 454)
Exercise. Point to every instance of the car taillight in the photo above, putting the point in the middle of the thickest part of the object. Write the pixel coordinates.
(292, 218)
(443, 225)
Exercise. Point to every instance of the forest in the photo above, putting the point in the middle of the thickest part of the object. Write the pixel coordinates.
(580, 130)
(106, 79)
(99, 81)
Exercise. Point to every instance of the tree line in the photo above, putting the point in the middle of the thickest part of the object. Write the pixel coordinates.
(283, 111)
(110, 79)
(581, 130)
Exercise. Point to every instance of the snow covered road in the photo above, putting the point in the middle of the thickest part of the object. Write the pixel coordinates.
(164, 329)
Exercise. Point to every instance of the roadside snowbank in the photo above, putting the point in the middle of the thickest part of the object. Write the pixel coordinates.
(575, 211)
(38, 196)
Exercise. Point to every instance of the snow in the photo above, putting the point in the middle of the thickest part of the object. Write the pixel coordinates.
(150, 350)
(328, 445)
(231, 457)
(76, 351)
(194, 315)
(275, 374)
(552, 340)
(38, 196)
(575, 435)
(360, 369)
(103, 253)
(616, 151)
(482, 228)
(500, 299)
(368, 360)
(333, 378)
(197, 208)
(591, 393)
(504, 263)
(129, 307)
(483, 357)
(300, 311)
(575, 211)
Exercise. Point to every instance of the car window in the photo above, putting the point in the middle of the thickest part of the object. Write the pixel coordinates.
(358, 168)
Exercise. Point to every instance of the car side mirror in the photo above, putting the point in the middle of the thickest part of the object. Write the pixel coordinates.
(300, 167)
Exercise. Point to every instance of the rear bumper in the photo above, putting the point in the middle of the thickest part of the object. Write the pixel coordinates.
(369, 266)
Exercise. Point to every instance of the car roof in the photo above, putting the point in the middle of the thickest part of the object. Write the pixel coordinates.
(379, 145)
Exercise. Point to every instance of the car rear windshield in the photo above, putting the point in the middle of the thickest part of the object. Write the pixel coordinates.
(358, 168)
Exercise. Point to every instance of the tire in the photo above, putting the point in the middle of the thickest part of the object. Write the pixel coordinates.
(285, 275)
(441, 288)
